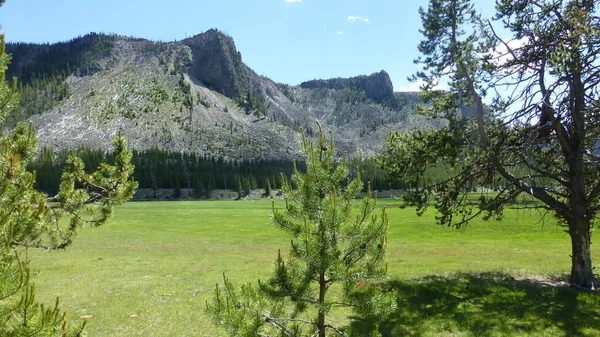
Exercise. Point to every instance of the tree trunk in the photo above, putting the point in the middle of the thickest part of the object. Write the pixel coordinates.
(322, 291)
(582, 275)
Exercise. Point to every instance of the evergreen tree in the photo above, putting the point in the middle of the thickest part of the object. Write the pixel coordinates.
(210, 186)
(238, 183)
(336, 258)
(274, 182)
(267, 188)
(198, 187)
(538, 135)
(247, 184)
(30, 219)
(176, 189)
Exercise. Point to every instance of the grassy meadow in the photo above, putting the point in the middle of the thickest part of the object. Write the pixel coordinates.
(149, 271)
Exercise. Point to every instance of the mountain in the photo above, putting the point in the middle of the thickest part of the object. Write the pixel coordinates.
(194, 95)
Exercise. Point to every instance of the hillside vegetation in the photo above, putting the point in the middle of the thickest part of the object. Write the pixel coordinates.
(194, 95)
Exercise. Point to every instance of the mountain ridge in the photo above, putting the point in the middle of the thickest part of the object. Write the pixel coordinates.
(196, 95)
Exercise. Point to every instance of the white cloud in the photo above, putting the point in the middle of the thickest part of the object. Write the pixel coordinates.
(340, 32)
(355, 18)
(412, 87)
(502, 54)
(290, 1)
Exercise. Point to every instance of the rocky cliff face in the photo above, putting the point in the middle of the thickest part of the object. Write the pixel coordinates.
(218, 64)
(197, 95)
(377, 86)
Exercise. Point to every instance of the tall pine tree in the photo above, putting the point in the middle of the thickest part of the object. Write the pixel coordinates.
(336, 259)
(538, 135)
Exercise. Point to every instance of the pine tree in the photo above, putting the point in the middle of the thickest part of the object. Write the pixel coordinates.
(210, 186)
(176, 188)
(238, 184)
(198, 186)
(537, 136)
(31, 219)
(336, 258)
(247, 184)
(267, 188)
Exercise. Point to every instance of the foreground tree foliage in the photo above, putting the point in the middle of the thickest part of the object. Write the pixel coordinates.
(336, 258)
(539, 133)
(29, 218)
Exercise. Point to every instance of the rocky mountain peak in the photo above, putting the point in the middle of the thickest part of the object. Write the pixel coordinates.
(218, 64)
(211, 35)
(377, 86)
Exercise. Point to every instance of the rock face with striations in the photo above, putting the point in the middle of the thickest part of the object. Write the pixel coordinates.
(218, 64)
(377, 86)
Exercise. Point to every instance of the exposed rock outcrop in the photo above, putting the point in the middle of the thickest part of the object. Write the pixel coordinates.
(377, 86)
(218, 64)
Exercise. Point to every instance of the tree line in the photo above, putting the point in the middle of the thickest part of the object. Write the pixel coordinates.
(159, 169)
(200, 175)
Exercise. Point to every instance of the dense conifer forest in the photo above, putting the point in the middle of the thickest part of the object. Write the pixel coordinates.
(158, 169)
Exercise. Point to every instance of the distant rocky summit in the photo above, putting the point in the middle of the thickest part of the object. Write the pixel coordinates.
(377, 86)
(218, 65)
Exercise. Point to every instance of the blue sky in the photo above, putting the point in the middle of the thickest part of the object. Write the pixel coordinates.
(289, 41)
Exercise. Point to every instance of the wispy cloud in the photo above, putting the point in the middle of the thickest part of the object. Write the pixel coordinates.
(355, 18)
(340, 32)
(290, 1)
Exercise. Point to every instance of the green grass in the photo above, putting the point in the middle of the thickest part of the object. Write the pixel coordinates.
(149, 271)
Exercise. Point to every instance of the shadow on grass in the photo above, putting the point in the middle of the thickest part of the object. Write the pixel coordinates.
(489, 304)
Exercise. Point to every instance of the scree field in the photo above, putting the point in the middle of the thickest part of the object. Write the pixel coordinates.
(151, 269)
